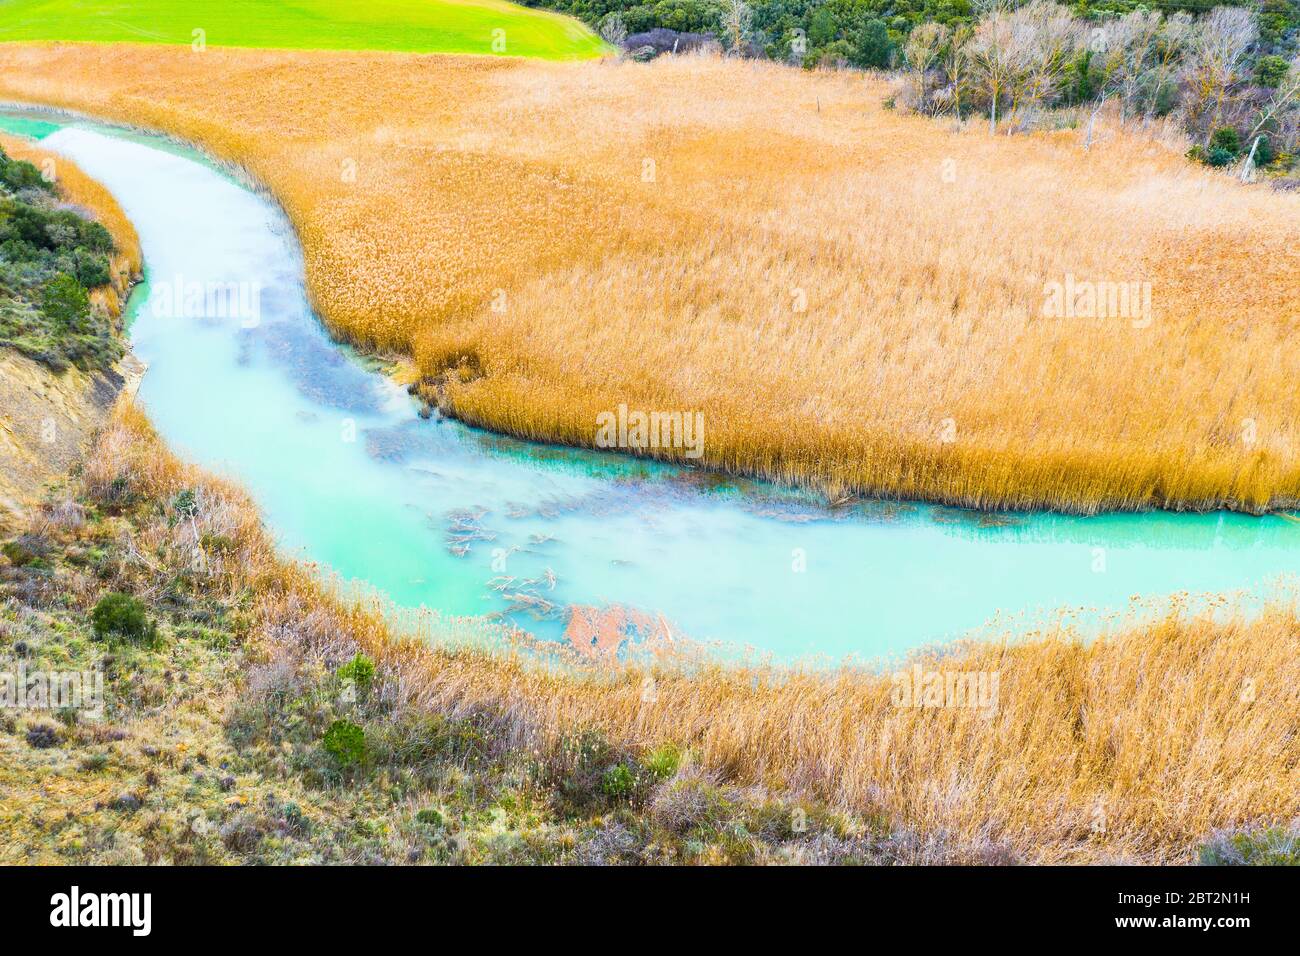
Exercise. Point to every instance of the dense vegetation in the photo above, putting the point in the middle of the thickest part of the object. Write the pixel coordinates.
(50, 257)
(248, 716)
(1230, 74)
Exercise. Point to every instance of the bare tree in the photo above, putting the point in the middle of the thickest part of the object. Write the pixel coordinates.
(614, 30)
(1022, 54)
(994, 60)
(1176, 35)
(1286, 97)
(1046, 37)
(737, 20)
(1216, 65)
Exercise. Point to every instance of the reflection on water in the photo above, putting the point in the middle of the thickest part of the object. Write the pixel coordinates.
(440, 515)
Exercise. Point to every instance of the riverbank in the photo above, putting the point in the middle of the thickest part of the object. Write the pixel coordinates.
(258, 716)
(894, 314)
(50, 416)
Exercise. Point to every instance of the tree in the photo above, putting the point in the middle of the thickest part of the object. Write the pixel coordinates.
(925, 45)
(871, 46)
(1216, 65)
(65, 301)
(737, 20)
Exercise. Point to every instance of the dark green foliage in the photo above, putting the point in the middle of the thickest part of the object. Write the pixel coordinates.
(1225, 138)
(65, 303)
(359, 674)
(429, 817)
(1271, 70)
(17, 174)
(122, 617)
(345, 742)
(1264, 153)
(1218, 156)
(49, 259)
(871, 46)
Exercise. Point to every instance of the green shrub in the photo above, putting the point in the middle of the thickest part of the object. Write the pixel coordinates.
(65, 301)
(20, 553)
(123, 617)
(429, 817)
(618, 782)
(663, 762)
(346, 743)
(1271, 70)
(1225, 138)
(186, 503)
(16, 174)
(359, 672)
(1264, 152)
(1219, 157)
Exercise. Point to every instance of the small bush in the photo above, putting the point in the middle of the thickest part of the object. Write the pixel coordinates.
(65, 301)
(1225, 138)
(21, 552)
(663, 762)
(1219, 157)
(359, 673)
(618, 782)
(429, 817)
(123, 617)
(346, 743)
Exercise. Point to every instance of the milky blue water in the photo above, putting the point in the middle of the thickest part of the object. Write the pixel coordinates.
(440, 515)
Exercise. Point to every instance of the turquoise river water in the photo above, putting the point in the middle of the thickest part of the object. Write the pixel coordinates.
(439, 515)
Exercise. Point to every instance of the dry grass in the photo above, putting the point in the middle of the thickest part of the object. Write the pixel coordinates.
(1132, 747)
(924, 296)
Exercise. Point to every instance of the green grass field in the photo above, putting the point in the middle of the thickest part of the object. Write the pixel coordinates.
(445, 26)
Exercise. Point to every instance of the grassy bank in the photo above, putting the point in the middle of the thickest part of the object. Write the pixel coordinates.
(446, 26)
(854, 299)
(241, 698)
(67, 258)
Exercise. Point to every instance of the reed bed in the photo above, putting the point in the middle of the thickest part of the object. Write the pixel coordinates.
(1131, 747)
(853, 298)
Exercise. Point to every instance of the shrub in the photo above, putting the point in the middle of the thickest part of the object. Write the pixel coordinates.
(429, 817)
(18, 174)
(1225, 138)
(1219, 157)
(1271, 70)
(186, 503)
(21, 552)
(346, 743)
(618, 782)
(1264, 152)
(124, 617)
(65, 301)
(663, 762)
(871, 46)
(358, 672)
